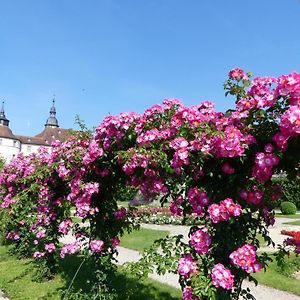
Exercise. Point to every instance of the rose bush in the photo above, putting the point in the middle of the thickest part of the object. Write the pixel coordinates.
(216, 167)
(53, 197)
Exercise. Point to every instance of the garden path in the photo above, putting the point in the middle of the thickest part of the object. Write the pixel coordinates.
(274, 231)
(2, 296)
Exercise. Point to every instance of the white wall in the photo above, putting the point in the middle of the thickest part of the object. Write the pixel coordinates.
(29, 148)
(9, 148)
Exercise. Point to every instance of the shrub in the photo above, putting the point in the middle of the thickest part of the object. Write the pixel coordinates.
(288, 208)
(290, 190)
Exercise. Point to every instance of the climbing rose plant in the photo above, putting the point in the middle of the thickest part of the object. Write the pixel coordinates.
(216, 167)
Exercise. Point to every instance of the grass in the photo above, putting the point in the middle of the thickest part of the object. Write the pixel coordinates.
(262, 241)
(16, 280)
(280, 215)
(142, 239)
(123, 203)
(293, 223)
(274, 277)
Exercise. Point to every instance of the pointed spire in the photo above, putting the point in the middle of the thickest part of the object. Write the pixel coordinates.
(52, 121)
(53, 110)
(2, 109)
(3, 120)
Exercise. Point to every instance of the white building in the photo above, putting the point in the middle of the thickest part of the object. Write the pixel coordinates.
(11, 145)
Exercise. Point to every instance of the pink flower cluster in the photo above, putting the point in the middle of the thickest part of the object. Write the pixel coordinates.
(149, 137)
(181, 155)
(187, 265)
(200, 240)
(224, 210)
(115, 241)
(112, 129)
(38, 254)
(70, 248)
(289, 85)
(187, 294)
(137, 160)
(151, 185)
(62, 171)
(94, 152)
(263, 168)
(64, 226)
(289, 126)
(175, 206)
(97, 246)
(198, 200)
(7, 201)
(237, 74)
(222, 277)
(120, 213)
(245, 258)
(262, 92)
(83, 199)
(252, 196)
(50, 247)
(41, 234)
(246, 104)
(13, 236)
(232, 144)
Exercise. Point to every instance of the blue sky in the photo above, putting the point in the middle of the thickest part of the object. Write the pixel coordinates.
(107, 56)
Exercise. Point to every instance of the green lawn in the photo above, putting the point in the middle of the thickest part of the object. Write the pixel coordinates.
(280, 215)
(122, 203)
(16, 280)
(274, 277)
(142, 239)
(293, 223)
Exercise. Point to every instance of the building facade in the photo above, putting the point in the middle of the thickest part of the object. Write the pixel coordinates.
(11, 144)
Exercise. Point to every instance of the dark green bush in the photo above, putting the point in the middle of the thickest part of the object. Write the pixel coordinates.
(3, 222)
(290, 190)
(288, 208)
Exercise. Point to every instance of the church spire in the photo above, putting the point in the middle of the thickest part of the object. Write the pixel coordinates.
(3, 120)
(52, 121)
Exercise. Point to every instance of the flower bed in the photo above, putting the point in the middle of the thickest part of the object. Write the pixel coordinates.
(294, 241)
(161, 216)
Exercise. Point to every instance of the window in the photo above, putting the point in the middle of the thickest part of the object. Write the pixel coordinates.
(1, 141)
(16, 144)
(28, 148)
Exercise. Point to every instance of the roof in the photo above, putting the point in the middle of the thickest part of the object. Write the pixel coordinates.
(46, 137)
(6, 132)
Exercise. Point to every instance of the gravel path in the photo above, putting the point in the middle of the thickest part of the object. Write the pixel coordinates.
(274, 231)
(2, 296)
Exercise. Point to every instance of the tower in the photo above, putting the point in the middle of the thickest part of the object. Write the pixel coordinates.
(3, 120)
(52, 121)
